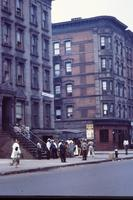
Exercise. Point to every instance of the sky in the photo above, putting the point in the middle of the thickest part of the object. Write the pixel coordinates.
(64, 10)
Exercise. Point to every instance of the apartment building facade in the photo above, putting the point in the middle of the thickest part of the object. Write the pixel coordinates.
(26, 82)
(93, 80)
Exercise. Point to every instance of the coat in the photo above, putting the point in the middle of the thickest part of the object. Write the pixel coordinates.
(15, 153)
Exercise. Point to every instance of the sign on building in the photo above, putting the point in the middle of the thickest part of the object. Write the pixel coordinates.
(90, 131)
(47, 95)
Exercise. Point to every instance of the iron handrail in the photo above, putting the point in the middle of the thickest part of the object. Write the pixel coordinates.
(32, 137)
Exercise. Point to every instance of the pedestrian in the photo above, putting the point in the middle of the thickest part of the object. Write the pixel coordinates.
(116, 152)
(48, 145)
(91, 148)
(16, 153)
(53, 149)
(126, 144)
(76, 150)
(84, 149)
(63, 148)
(39, 150)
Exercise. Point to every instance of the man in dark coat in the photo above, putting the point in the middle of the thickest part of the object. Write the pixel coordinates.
(84, 148)
(63, 151)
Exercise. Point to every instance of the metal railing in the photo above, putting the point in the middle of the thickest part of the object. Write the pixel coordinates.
(29, 137)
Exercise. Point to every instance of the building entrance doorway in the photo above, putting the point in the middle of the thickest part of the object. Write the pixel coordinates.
(6, 113)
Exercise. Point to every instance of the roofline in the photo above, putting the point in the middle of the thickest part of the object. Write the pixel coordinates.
(97, 18)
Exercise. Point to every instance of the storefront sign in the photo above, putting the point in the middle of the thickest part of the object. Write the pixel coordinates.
(47, 95)
(90, 131)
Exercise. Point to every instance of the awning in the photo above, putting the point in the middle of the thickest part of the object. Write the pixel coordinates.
(71, 133)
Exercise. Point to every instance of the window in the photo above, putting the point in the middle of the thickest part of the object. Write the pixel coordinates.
(34, 46)
(35, 114)
(19, 110)
(121, 48)
(19, 39)
(111, 86)
(103, 63)
(109, 42)
(5, 5)
(35, 81)
(68, 67)
(104, 136)
(19, 8)
(6, 70)
(57, 69)
(45, 46)
(69, 89)
(69, 111)
(20, 74)
(117, 67)
(6, 34)
(47, 114)
(46, 80)
(68, 46)
(108, 109)
(119, 110)
(44, 19)
(124, 111)
(117, 46)
(104, 85)
(111, 109)
(56, 47)
(34, 14)
(102, 42)
(110, 63)
(105, 109)
(107, 86)
(57, 90)
(105, 42)
(58, 113)
(122, 69)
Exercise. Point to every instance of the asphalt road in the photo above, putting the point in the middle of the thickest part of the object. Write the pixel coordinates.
(104, 179)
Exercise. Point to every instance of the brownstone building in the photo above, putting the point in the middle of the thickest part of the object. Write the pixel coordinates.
(26, 81)
(93, 80)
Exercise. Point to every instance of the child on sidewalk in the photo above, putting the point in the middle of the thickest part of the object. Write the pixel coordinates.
(16, 153)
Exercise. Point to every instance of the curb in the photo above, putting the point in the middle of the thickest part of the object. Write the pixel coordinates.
(59, 166)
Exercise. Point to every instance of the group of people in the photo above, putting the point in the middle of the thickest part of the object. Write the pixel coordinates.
(20, 128)
(66, 148)
(62, 150)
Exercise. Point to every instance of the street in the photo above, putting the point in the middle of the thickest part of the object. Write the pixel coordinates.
(103, 179)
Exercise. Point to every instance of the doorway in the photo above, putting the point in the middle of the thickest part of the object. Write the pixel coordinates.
(6, 113)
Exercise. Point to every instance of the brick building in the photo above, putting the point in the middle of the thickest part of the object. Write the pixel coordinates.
(26, 81)
(93, 80)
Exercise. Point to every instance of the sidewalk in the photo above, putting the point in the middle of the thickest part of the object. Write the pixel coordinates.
(44, 164)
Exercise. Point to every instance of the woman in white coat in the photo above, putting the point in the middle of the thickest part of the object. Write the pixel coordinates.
(15, 155)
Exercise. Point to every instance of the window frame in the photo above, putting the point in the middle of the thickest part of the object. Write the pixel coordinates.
(69, 111)
(68, 46)
(68, 67)
(57, 72)
(35, 77)
(69, 89)
(56, 48)
(58, 113)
